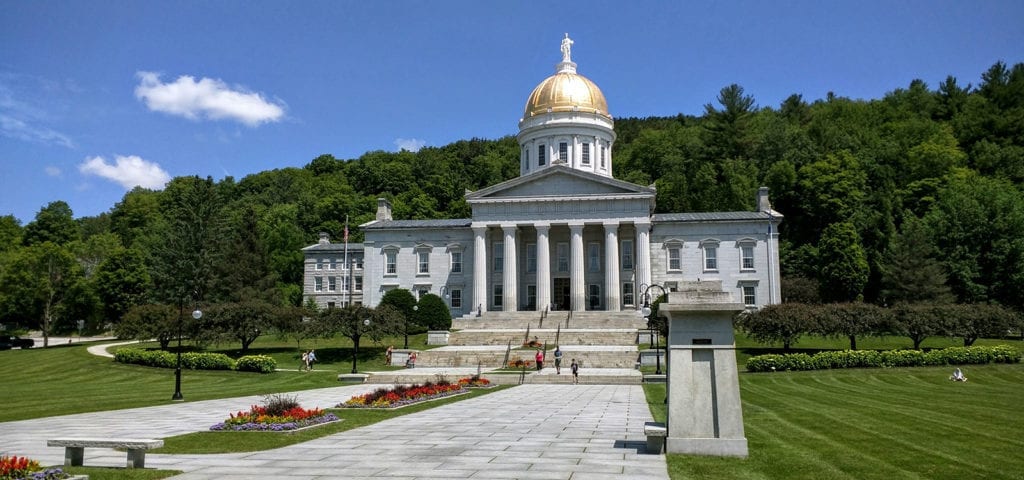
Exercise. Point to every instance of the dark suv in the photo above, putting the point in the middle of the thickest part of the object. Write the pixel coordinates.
(8, 342)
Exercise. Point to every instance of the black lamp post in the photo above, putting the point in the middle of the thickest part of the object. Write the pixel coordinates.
(197, 314)
(655, 337)
(355, 352)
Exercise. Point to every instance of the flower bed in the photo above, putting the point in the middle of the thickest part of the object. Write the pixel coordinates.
(474, 382)
(402, 395)
(16, 468)
(278, 414)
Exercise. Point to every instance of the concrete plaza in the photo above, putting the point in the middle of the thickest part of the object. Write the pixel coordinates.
(537, 431)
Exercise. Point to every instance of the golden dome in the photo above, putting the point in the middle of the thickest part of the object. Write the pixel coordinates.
(566, 91)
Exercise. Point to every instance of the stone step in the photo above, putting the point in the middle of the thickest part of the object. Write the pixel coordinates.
(592, 356)
(604, 376)
(625, 336)
(595, 322)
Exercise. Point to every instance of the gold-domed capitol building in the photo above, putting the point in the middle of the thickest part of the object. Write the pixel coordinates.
(564, 236)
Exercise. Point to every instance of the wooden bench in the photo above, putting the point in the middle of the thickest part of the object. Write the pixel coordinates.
(74, 448)
(656, 433)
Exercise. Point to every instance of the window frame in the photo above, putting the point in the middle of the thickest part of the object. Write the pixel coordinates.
(585, 153)
(318, 284)
(594, 257)
(531, 258)
(455, 299)
(390, 262)
(498, 296)
(628, 294)
(422, 262)
(709, 255)
(626, 254)
(455, 257)
(542, 158)
(498, 258)
(562, 257)
(563, 152)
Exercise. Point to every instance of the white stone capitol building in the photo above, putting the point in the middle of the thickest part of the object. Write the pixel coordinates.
(564, 235)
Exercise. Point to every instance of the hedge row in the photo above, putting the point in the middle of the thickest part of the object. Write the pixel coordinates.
(195, 361)
(886, 358)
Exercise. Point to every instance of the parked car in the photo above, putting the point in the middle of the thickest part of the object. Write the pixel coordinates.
(8, 342)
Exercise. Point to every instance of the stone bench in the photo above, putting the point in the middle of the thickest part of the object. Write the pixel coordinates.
(74, 448)
(656, 433)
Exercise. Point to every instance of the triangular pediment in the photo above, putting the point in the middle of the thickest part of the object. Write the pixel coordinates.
(559, 181)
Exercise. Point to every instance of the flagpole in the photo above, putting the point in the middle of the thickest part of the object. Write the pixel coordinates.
(346, 262)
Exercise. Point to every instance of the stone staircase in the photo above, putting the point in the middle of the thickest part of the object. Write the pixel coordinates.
(596, 339)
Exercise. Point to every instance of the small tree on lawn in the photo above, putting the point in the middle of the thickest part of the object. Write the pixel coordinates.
(143, 322)
(356, 321)
(974, 321)
(785, 322)
(433, 313)
(918, 321)
(851, 320)
(244, 321)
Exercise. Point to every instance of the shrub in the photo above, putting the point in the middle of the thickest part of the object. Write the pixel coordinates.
(162, 359)
(277, 404)
(256, 363)
(888, 358)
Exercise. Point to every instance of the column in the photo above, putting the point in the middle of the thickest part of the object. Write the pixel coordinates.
(543, 266)
(577, 281)
(611, 266)
(509, 277)
(480, 267)
(643, 256)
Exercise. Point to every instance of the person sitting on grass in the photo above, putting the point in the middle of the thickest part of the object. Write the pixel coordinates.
(958, 376)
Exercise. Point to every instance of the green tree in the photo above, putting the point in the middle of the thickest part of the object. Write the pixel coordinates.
(910, 271)
(785, 323)
(844, 266)
(356, 321)
(403, 301)
(143, 322)
(852, 320)
(37, 281)
(243, 321)
(919, 321)
(10, 233)
(122, 282)
(53, 223)
(433, 313)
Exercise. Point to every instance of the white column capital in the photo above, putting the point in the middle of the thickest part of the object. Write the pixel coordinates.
(610, 223)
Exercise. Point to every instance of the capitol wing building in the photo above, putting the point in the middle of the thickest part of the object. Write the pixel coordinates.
(564, 235)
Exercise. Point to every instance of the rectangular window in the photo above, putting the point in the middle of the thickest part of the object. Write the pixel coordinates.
(330, 305)
(542, 156)
(710, 258)
(499, 257)
(627, 293)
(594, 295)
(498, 297)
(526, 158)
(747, 256)
(319, 264)
(602, 156)
(359, 283)
(332, 284)
(344, 284)
(391, 265)
(424, 262)
(563, 257)
(586, 153)
(359, 262)
(594, 257)
(456, 299)
(627, 254)
(531, 258)
(456, 262)
(333, 265)
(563, 152)
(531, 297)
(675, 258)
(318, 284)
(749, 295)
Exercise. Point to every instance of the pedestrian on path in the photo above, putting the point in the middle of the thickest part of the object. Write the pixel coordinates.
(558, 360)
(305, 361)
(575, 367)
(540, 359)
(312, 359)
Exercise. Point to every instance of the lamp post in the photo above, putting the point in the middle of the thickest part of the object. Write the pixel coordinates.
(197, 314)
(355, 352)
(655, 337)
(415, 308)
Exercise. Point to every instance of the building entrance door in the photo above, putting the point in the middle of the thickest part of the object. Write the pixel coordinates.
(560, 295)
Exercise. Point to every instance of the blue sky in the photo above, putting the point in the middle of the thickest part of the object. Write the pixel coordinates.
(98, 96)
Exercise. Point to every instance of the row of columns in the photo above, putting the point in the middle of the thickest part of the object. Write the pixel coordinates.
(577, 267)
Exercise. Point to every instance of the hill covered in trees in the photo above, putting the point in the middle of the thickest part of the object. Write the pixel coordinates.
(915, 196)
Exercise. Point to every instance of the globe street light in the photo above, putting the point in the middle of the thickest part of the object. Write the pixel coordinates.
(197, 314)
(655, 337)
(355, 352)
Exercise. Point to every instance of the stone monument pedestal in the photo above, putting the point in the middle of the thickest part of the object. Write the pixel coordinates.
(705, 416)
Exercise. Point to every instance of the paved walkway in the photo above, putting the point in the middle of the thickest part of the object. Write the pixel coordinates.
(528, 432)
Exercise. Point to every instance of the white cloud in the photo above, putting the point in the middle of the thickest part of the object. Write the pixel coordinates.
(20, 129)
(206, 98)
(52, 171)
(128, 171)
(410, 144)
(22, 120)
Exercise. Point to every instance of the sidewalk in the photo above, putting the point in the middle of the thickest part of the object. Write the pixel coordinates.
(529, 432)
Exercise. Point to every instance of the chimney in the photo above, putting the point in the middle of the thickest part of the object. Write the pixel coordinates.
(383, 209)
(324, 239)
(763, 205)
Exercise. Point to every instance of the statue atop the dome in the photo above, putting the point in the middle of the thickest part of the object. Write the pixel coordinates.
(566, 48)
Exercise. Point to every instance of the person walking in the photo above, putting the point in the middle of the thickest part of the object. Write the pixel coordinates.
(312, 360)
(558, 360)
(305, 361)
(575, 367)
(540, 359)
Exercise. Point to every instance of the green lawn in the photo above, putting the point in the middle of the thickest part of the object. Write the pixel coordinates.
(872, 424)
